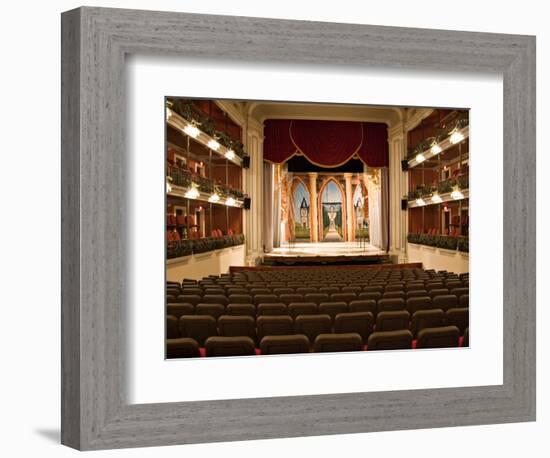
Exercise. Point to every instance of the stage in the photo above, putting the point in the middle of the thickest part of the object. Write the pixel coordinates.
(304, 253)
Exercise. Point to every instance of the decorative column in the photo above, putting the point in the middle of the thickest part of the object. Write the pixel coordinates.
(350, 236)
(314, 231)
(254, 188)
(398, 189)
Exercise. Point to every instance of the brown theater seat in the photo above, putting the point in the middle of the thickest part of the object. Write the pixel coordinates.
(214, 299)
(172, 330)
(418, 303)
(213, 310)
(178, 310)
(312, 325)
(373, 289)
(240, 299)
(361, 323)
(390, 305)
(416, 293)
(437, 292)
(392, 321)
(283, 290)
(338, 342)
(369, 296)
(351, 289)
(198, 327)
(266, 299)
(390, 340)
(459, 317)
(443, 337)
(316, 298)
(464, 300)
(333, 308)
(394, 295)
(274, 326)
(288, 298)
(427, 319)
(343, 297)
(460, 291)
(235, 326)
(241, 309)
(446, 302)
(466, 340)
(302, 308)
(271, 309)
(184, 347)
(366, 305)
(189, 298)
(280, 345)
(229, 346)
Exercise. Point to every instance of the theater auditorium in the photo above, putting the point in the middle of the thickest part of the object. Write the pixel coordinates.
(296, 228)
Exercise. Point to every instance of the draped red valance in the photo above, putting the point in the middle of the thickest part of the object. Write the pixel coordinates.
(326, 143)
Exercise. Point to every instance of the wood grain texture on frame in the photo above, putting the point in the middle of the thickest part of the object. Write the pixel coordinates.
(95, 412)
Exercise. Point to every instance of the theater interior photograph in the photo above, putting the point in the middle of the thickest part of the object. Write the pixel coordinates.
(297, 228)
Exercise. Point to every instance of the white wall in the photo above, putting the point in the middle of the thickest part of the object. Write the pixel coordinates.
(438, 259)
(30, 228)
(201, 265)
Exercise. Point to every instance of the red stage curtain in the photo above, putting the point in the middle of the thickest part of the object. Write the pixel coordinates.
(326, 143)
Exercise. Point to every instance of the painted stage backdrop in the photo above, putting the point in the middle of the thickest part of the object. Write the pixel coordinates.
(331, 206)
(301, 213)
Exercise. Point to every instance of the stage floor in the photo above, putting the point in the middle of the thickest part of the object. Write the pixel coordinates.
(326, 249)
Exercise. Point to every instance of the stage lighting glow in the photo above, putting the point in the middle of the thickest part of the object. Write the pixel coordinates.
(230, 154)
(436, 198)
(435, 149)
(456, 137)
(230, 202)
(192, 193)
(213, 144)
(420, 158)
(214, 198)
(456, 195)
(420, 202)
(191, 130)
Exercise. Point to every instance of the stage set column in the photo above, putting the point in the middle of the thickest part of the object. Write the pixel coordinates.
(313, 206)
(349, 208)
(398, 189)
(254, 188)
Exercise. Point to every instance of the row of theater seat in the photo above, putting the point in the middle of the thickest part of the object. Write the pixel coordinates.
(441, 337)
(201, 327)
(412, 304)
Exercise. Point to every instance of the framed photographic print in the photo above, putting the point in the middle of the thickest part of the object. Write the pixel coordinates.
(283, 228)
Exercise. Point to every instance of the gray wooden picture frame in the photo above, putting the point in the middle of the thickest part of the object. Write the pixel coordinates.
(95, 413)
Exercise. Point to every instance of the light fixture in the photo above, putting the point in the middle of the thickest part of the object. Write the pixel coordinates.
(435, 149)
(456, 137)
(191, 130)
(168, 114)
(192, 192)
(436, 198)
(420, 202)
(214, 198)
(420, 158)
(230, 201)
(213, 144)
(230, 154)
(168, 187)
(456, 195)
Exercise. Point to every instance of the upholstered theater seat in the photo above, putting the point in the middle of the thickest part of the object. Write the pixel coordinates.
(183, 347)
(427, 319)
(198, 327)
(229, 346)
(286, 344)
(178, 310)
(390, 340)
(459, 317)
(392, 321)
(172, 329)
(337, 342)
(312, 325)
(274, 325)
(361, 323)
(442, 337)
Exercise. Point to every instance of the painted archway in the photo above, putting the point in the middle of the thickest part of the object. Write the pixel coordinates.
(301, 210)
(360, 212)
(332, 212)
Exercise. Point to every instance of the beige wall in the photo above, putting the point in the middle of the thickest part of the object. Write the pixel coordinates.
(438, 259)
(201, 265)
